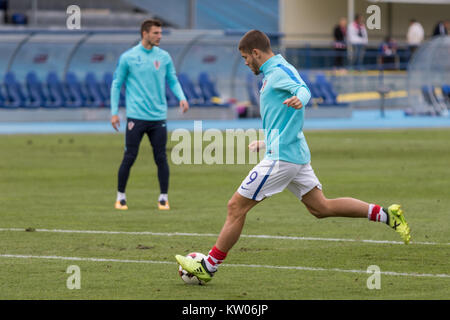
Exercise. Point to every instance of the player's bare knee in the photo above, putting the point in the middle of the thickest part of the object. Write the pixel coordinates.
(321, 210)
(316, 213)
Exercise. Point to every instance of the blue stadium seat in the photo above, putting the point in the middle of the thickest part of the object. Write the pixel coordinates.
(316, 95)
(3, 102)
(15, 96)
(446, 89)
(446, 93)
(428, 94)
(438, 103)
(19, 18)
(328, 93)
(325, 92)
(190, 91)
(105, 88)
(55, 91)
(37, 95)
(208, 90)
(93, 92)
(74, 95)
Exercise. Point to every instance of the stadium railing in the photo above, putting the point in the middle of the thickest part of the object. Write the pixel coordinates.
(325, 58)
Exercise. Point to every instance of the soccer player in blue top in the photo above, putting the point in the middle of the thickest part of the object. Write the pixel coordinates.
(144, 69)
(287, 160)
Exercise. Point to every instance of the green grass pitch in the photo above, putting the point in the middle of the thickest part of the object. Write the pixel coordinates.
(68, 182)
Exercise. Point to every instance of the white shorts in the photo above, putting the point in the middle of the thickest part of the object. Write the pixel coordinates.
(273, 176)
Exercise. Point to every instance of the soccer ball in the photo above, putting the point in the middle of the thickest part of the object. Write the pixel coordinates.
(186, 276)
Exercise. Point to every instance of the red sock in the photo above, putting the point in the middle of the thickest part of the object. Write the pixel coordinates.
(376, 213)
(214, 259)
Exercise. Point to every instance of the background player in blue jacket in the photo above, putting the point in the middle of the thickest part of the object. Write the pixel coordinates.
(144, 69)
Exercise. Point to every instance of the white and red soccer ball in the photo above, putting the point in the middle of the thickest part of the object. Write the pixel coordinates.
(190, 278)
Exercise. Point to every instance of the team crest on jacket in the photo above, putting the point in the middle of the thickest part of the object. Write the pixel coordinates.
(130, 125)
(263, 86)
(157, 64)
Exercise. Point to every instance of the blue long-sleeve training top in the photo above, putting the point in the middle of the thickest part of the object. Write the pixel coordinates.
(283, 125)
(144, 73)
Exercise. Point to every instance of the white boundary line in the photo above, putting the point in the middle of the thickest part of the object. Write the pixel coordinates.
(389, 273)
(174, 234)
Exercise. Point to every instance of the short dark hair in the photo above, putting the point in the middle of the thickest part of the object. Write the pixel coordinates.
(148, 24)
(254, 39)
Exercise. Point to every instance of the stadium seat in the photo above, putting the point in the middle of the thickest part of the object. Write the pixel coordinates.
(446, 93)
(74, 94)
(5, 100)
(428, 94)
(93, 92)
(208, 90)
(437, 103)
(190, 91)
(105, 88)
(328, 94)
(19, 18)
(38, 96)
(316, 95)
(2, 97)
(55, 91)
(15, 96)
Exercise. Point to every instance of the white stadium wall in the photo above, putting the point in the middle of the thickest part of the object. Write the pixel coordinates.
(306, 21)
